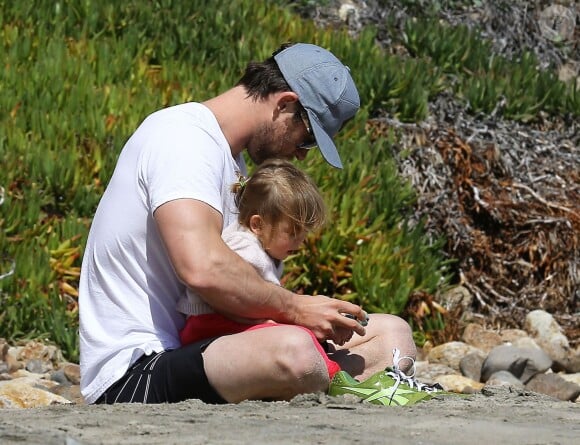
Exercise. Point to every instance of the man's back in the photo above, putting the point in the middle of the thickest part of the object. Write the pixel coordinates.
(128, 287)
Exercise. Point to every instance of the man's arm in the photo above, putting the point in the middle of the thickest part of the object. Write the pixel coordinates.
(191, 232)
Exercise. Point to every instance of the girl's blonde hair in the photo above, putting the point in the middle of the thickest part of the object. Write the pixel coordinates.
(279, 191)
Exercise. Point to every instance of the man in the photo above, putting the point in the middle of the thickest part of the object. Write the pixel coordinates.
(157, 230)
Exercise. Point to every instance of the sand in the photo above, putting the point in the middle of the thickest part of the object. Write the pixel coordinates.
(498, 415)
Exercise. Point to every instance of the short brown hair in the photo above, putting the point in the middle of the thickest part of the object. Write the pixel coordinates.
(278, 191)
(261, 79)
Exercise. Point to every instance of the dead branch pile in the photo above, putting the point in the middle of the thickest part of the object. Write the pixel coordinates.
(507, 199)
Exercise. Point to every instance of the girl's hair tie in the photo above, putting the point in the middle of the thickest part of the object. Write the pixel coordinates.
(239, 187)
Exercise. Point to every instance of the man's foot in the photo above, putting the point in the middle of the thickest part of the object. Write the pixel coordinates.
(389, 387)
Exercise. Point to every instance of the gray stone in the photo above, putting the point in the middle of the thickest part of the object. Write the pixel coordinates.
(59, 377)
(548, 334)
(427, 372)
(557, 23)
(458, 297)
(450, 354)
(505, 378)
(470, 366)
(523, 363)
(555, 386)
(526, 342)
(38, 366)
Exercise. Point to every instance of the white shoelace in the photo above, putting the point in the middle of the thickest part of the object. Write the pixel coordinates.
(400, 377)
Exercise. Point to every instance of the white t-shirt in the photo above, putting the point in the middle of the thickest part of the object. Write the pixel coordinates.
(128, 287)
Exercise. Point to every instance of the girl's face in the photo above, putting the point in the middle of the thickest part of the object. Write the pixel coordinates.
(278, 240)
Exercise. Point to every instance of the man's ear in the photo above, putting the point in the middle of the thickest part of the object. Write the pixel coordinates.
(256, 224)
(286, 99)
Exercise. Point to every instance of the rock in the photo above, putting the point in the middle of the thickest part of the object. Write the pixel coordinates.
(523, 363)
(19, 393)
(470, 366)
(423, 352)
(574, 378)
(504, 378)
(557, 23)
(459, 383)
(548, 334)
(427, 372)
(450, 354)
(36, 350)
(518, 338)
(12, 361)
(570, 364)
(59, 377)
(32, 379)
(348, 13)
(555, 386)
(70, 392)
(569, 71)
(72, 371)
(483, 339)
(38, 366)
(33, 374)
(526, 342)
(458, 297)
(511, 335)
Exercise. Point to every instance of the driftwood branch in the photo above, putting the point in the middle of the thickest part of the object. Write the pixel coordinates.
(542, 200)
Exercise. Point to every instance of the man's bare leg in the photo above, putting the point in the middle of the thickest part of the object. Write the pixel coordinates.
(362, 357)
(275, 363)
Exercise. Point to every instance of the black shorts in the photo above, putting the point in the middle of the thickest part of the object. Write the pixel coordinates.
(165, 377)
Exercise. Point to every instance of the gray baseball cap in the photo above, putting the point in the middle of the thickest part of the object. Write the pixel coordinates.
(325, 89)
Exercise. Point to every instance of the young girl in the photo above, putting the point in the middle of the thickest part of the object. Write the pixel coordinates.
(278, 205)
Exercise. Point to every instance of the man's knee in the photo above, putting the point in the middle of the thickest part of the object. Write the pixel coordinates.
(301, 360)
(390, 325)
(395, 333)
(400, 325)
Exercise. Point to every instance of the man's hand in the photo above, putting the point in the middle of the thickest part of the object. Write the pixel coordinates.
(325, 317)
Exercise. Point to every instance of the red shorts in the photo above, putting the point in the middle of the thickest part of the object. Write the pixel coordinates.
(200, 327)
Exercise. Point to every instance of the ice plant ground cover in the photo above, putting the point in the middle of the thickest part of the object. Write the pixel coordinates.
(79, 76)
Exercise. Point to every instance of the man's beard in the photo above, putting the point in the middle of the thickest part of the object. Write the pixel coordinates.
(265, 145)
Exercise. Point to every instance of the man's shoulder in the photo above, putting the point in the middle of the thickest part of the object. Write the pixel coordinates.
(193, 113)
(184, 125)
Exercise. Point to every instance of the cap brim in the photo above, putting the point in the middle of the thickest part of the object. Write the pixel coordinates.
(324, 142)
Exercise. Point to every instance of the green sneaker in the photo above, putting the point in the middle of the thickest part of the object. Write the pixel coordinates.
(379, 389)
(389, 387)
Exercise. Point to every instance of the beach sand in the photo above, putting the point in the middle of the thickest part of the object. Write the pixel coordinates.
(498, 415)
